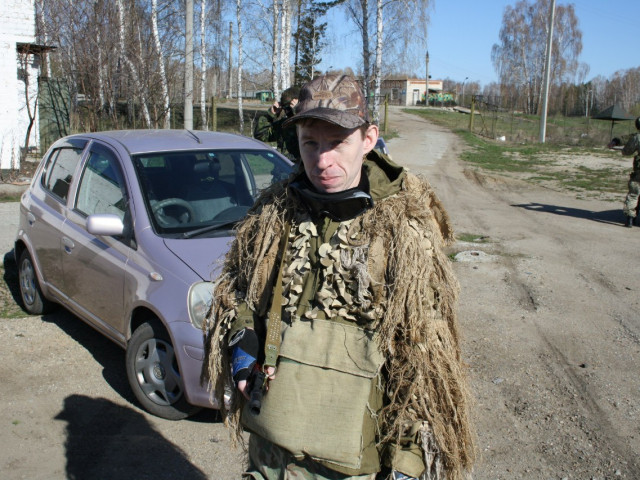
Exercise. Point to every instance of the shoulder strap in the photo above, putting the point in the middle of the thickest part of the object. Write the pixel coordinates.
(274, 319)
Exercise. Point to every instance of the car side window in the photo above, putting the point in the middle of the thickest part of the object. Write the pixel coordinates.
(101, 187)
(59, 171)
(266, 169)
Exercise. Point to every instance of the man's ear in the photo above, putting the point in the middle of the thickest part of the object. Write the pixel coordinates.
(370, 138)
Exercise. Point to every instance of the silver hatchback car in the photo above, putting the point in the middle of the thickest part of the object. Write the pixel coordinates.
(126, 230)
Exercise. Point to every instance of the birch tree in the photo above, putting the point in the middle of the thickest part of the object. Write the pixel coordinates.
(405, 19)
(132, 68)
(377, 74)
(285, 45)
(203, 66)
(519, 57)
(43, 26)
(239, 20)
(276, 51)
(163, 73)
(359, 12)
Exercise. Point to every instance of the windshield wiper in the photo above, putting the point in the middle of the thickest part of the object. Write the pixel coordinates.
(210, 228)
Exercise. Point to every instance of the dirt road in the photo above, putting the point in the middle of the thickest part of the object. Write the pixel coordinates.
(551, 331)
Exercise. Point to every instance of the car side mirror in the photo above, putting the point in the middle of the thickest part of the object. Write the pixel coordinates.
(105, 224)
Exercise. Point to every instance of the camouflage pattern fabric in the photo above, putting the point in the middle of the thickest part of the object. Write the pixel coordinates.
(631, 200)
(269, 462)
(336, 99)
(269, 128)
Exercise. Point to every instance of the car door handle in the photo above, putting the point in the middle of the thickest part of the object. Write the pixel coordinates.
(31, 218)
(68, 244)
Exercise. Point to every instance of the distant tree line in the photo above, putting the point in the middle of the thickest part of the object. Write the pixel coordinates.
(124, 60)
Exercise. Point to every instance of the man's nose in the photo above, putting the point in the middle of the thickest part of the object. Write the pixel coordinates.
(325, 157)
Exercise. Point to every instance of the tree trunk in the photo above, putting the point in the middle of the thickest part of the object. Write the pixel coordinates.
(275, 56)
(378, 70)
(163, 73)
(132, 68)
(230, 77)
(239, 19)
(366, 54)
(203, 67)
(285, 42)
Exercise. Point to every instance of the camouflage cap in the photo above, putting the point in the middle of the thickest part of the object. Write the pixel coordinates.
(335, 99)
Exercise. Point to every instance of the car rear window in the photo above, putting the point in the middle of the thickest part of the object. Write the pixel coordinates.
(59, 170)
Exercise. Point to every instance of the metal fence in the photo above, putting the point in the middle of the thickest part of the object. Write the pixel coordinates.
(486, 116)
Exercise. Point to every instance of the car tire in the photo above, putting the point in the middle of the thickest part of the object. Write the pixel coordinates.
(153, 373)
(33, 301)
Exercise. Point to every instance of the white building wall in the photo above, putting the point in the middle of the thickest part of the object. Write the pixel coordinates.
(17, 25)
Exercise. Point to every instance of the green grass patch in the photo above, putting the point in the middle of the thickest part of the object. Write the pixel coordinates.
(471, 238)
(600, 180)
(498, 157)
(5, 197)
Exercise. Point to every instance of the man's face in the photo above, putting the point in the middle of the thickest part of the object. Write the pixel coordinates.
(332, 156)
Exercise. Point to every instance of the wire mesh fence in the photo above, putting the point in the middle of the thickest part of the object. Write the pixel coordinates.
(487, 117)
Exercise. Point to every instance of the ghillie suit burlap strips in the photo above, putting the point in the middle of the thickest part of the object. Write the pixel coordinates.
(426, 379)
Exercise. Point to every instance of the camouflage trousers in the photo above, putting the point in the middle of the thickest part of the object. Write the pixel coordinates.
(270, 462)
(631, 201)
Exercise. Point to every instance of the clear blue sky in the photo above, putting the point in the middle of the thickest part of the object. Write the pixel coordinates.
(462, 32)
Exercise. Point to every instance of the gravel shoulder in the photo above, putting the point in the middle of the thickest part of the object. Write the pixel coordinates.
(551, 333)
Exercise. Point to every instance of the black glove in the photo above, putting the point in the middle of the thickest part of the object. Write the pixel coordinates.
(244, 353)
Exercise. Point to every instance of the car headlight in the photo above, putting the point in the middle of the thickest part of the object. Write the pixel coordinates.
(199, 302)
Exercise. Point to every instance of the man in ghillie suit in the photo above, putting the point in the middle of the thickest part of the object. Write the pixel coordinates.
(337, 287)
(270, 126)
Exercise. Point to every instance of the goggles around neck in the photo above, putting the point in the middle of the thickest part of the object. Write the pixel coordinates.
(338, 206)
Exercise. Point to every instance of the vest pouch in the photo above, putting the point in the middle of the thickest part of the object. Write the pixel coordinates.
(317, 403)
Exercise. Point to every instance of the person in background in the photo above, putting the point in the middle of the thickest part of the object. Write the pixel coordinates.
(334, 319)
(631, 147)
(269, 127)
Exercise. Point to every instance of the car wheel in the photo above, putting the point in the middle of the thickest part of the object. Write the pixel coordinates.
(154, 376)
(32, 299)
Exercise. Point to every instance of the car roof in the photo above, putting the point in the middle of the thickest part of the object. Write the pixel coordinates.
(144, 141)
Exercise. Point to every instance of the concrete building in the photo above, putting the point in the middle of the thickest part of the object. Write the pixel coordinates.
(408, 91)
(19, 68)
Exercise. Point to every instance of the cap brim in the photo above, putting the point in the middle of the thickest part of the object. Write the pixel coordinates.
(337, 117)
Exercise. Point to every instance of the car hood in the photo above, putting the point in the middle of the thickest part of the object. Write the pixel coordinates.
(203, 255)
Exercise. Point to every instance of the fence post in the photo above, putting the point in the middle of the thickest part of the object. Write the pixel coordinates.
(386, 116)
(473, 104)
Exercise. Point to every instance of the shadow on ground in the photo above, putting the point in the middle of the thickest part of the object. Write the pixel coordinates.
(107, 441)
(613, 217)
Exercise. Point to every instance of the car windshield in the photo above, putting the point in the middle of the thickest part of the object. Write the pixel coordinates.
(199, 193)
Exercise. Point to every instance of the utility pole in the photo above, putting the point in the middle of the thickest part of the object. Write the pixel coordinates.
(426, 91)
(547, 74)
(188, 67)
(463, 82)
